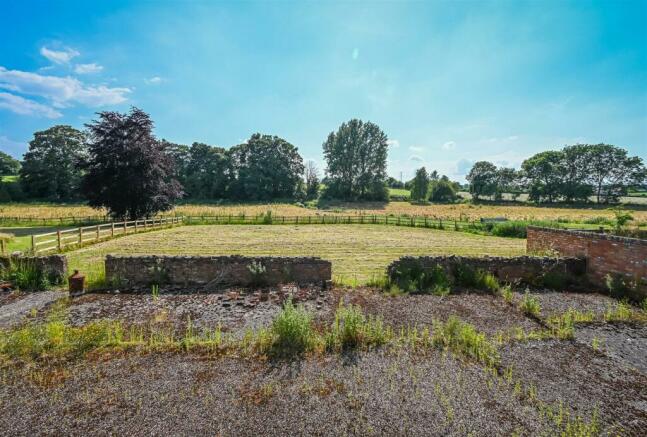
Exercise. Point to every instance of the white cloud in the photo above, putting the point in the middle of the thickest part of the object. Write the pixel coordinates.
(59, 56)
(87, 68)
(61, 91)
(156, 80)
(416, 158)
(393, 143)
(449, 145)
(416, 148)
(22, 106)
(355, 53)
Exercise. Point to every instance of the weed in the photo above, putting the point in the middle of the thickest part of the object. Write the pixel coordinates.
(643, 305)
(620, 313)
(530, 305)
(467, 276)
(414, 277)
(257, 270)
(595, 343)
(292, 331)
(155, 291)
(621, 287)
(506, 293)
(26, 275)
(464, 339)
(352, 329)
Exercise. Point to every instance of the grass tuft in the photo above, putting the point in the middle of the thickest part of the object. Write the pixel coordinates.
(464, 339)
(530, 305)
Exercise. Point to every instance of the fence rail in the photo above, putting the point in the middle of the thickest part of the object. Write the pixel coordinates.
(379, 219)
(62, 239)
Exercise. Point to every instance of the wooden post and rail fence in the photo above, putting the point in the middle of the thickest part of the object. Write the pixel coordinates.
(63, 239)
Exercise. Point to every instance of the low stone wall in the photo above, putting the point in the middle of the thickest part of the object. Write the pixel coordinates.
(54, 266)
(529, 270)
(210, 271)
(605, 254)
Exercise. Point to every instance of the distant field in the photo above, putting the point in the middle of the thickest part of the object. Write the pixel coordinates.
(399, 192)
(453, 211)
(357, 252)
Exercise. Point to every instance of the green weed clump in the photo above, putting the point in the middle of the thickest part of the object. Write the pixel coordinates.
(352, 329)
(530, 305)
(416, 278)
(478, 278)
(620, 313)
(292, 332)
(506, 293)
(464, 339)
(25, 275)
(621, 287)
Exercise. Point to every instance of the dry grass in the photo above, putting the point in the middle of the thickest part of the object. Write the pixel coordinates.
(455, 211)
(358, 252)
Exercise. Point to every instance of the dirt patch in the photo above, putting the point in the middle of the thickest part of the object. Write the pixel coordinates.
(585, 380)
(487, 312)
(626, 342)
(369, 393)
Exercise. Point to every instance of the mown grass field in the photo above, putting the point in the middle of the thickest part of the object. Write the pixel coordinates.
(452, 211)
(358, 252)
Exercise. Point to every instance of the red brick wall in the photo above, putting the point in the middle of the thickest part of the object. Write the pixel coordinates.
(605, 254)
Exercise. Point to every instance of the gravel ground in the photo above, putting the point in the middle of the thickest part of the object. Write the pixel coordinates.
(624, 341)
(555, 303)
(487, 312)
(15, 310)
(366, 394)
(586, 380)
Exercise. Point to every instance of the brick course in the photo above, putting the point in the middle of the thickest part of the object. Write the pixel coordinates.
(605, 253)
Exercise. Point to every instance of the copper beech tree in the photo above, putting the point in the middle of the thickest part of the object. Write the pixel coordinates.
(128, 171)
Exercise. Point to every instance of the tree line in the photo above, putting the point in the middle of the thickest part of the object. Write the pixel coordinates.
(572, 174)
(118, 163)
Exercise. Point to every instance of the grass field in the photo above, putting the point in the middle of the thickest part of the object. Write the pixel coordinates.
(358, 252)
(453, 211)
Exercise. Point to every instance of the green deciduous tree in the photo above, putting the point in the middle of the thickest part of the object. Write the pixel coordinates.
(543, 173)
(208, 172)
(356, 162)
(443, 190)
(420, 187)
(611, 171)
(128, 171)
(51, 167)
(482, 179)
(312, 180)
(8, 165)
(266, 167)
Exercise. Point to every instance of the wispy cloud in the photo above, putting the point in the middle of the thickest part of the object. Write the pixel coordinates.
(22, 106)
(416, 158)
(87, 68)
(393, 143)
(449, 145)
(416, 148)
(62, 56)
(61, 91)
(155, 80)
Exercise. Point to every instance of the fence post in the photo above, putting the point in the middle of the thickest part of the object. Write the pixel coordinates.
(80, 235)
(33, 244)
(97, 232)
(126, 227)
(112, 229)
(136, 227)
(58, 240)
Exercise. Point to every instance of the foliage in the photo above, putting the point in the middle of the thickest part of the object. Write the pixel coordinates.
(464, 339)
(25, 274)
(207, 172)
(312, 180)
(543, 174)
(622, 218)
(443, 190)
(620, 287)
(420, 186)
(356, 162)
(8, 165)
(530, 305)
(467, 276)
(412, 277)
(619, 313)
(482, 179)
(51, 167)
(128, 171)
(265, 167)
(611, 171)
(292, 332)
(352, 329)
(506, 293)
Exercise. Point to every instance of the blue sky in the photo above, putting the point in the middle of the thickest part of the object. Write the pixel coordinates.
(449, 82)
